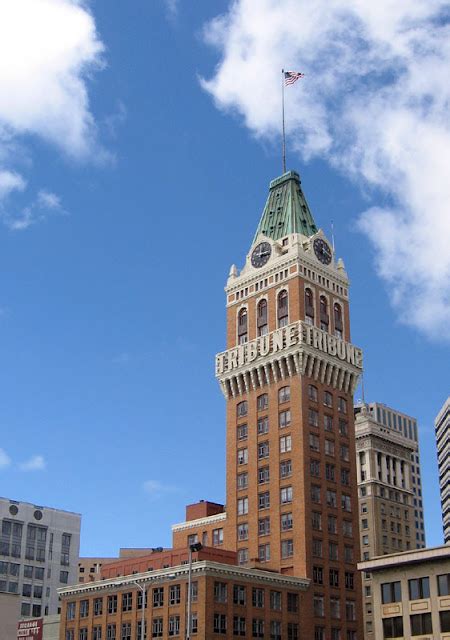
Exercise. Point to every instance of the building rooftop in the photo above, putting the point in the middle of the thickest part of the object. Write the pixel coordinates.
(286, 209)
(413, 556)
(38, 506)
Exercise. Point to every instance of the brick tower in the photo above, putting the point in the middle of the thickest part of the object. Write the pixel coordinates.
(288, 375)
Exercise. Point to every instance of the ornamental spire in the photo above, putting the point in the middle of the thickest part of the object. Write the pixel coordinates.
(286, 209)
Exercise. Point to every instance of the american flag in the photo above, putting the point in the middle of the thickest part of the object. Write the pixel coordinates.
(292, 76)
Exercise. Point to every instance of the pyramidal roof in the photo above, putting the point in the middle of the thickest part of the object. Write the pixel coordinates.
(286, 209)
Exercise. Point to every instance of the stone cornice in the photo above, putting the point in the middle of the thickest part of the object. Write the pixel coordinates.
(199, 569)
(200, 522)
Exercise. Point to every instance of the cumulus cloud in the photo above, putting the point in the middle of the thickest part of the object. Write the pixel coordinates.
(45, 62)
(35, 463)
(375, 104)
(5, 460)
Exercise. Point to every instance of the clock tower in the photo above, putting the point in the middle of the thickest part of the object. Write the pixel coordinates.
(288, 375)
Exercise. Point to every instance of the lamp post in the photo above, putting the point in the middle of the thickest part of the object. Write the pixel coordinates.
(143, 590)
(192, 547)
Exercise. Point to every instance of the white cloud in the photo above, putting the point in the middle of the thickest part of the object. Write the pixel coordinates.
(45, 61)
(374, 103)
(156, 489)
(45, 204)
(35, 463)
(172, 7)
(5, 460)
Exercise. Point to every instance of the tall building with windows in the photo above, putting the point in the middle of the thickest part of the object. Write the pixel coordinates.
(39, 549)
(390, 490)
(288, 376)
(442, 427)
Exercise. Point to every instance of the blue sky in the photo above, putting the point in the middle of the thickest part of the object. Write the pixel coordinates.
(118, 234)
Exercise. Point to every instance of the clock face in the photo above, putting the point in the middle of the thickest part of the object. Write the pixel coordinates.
(261, 254)
(322, 251)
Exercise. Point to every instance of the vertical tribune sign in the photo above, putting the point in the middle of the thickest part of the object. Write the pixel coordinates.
(30, 629)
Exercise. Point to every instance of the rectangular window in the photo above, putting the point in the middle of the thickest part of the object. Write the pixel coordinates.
(257, 628)
(317, 548)
(327, 399)
(158, 597)
(287, 548)
(217, 537)
(316, 521)
(220, 623)
(285, 468)
(346, 502)
(342, 405)
(242, 409)
(349, 578)
(313, 418)
(242, 456)
(292, 631)
(292, 602)
(220, 592)
(315, 493)
(285, 444)
(318, 606)
(329, 447)
(333, 551)
(263, 475)
(97, 633)
(174, 594)
(239, 626)
(443, 582)
(258, 598)
(284, 419)
(345, 453)
(335, 608)
(264, 526)
(314, 442)
(391, 592)
(98, 606)
(242, 531)
(330, 472)
(343, 427)
(333, 578)
(242, 556)
(419, 588)
(264, 552)
(286, 495)
(318, 575)
(275, 630)
(331, 498)
(127, 601)
(174, 625)
(84, 608)
(328, 423)
(112, 604)
(239, 594)
(332, 524)
(275, 600)
(157, 628)
(421, 624)
(314, 468)
(242, 480)
(242, 432)
(264, 500)
(70, 611)
(444, 619)
(263, 425)
(347, 528)
(242, 506)
(286, 522)
(263, 450)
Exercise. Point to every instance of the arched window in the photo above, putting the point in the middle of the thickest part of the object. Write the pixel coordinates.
(338, 325)
(324, 319)
(261, 319)
(242, 326)
(309, 306)
(283, 308)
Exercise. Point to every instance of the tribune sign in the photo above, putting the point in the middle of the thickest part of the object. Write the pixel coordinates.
(298, 333)
(30, 629)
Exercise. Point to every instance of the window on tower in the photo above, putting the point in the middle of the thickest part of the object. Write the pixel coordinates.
(309, 306)
(262, 402)
(338, 324)
(242, 326)
(324, 319)
(261, 318)
(283, 308)
(242, 409)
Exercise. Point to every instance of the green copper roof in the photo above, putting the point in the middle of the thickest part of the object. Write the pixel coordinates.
(286, 209)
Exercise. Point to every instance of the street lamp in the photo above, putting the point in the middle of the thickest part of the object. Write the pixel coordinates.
(192, 547)
(143, 590)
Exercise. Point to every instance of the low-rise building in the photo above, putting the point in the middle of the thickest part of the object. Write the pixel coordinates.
(226, 599)
(411, 594)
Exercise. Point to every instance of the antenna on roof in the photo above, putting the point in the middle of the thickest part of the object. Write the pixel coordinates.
(362, 389)
(332, 234)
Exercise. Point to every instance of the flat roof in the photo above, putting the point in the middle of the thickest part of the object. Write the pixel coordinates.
(413, 556)
(39, 506)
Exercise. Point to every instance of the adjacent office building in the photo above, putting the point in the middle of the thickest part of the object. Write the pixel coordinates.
(411, 594)
(389, 487)
(39, 549)
(442, 426)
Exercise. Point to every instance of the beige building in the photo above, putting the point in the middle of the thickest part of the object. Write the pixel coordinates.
(411, 594)
(9, 614)
(388, 482)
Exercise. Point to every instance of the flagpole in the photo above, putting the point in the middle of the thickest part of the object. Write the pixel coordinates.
(282, 112)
